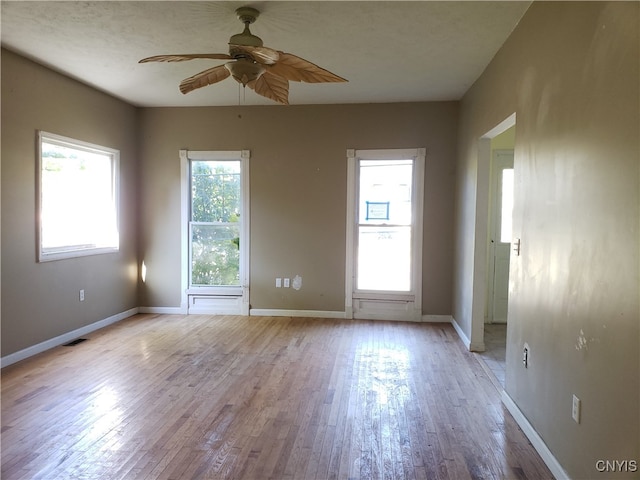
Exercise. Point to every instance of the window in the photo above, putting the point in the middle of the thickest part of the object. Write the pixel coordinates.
(384, 234)
(78, 188)
(215, 232)
(506, 205)
(214, 225)
(384, 225)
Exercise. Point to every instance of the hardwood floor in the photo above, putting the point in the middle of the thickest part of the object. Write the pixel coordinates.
(177, 397)
(494, 356)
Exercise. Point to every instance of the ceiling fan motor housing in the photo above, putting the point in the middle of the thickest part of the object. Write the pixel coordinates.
(246, 38)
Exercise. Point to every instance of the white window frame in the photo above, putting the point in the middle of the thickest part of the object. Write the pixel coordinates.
(77, 250)
(378, 304)
(215, 299)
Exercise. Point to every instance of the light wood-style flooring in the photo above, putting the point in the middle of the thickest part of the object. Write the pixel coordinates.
(494, 356)
(217, 397)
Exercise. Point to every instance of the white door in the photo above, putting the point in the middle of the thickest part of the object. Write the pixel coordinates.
(384, 234)
(216, 232)
(500, 233)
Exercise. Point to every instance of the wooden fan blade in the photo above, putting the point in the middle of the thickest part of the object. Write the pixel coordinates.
(273, 87)
(202, 79)
(186, 56)
(298, 69)
(263, 55)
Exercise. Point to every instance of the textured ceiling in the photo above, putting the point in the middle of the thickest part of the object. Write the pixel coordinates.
(390, 51)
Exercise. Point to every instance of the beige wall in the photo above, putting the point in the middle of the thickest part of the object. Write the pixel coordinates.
(40, 300)
(298, 196)
(570, 72)
(298, 193)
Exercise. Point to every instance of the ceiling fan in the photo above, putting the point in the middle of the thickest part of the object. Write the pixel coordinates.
(263, 69)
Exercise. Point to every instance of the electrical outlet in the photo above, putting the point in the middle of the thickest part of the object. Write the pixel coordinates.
(81, 296)
(286, 283)
(278, 283)
(575, 409)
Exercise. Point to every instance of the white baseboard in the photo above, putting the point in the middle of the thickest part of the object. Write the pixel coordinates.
(472, 347)
(163, 310)
(64, 338)
(274, 312)
(535, 439)
(477, 347)
(437, 318)
(461, 334)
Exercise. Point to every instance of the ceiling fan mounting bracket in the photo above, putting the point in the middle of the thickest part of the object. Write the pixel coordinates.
(247, 15)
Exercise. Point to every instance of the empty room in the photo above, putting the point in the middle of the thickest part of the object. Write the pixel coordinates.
(324, 240)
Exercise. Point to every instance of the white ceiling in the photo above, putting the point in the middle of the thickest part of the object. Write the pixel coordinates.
(390, 51)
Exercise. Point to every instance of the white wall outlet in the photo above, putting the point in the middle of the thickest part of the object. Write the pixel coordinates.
(286, 283)
(278, 283)
(81, 295)
(575, 409)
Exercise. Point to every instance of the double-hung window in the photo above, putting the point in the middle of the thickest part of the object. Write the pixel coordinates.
(384, 233)
(215, 219)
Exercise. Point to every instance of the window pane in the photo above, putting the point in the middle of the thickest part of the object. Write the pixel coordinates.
(215, 191)
(77, 206)
(384, 258)
(506, 210)
(215, 254)
(385, 192)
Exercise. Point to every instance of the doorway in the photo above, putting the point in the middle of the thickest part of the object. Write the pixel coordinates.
(481, 242)
(384, 234)
(494, 345)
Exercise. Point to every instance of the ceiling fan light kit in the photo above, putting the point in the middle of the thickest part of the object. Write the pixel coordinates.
(245, 71)
(263, 69)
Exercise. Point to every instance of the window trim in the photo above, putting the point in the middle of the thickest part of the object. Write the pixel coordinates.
(409, 303)
(74, 251)
(223, 292)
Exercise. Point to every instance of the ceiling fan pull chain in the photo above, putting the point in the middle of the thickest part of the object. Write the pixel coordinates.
(242, 97)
